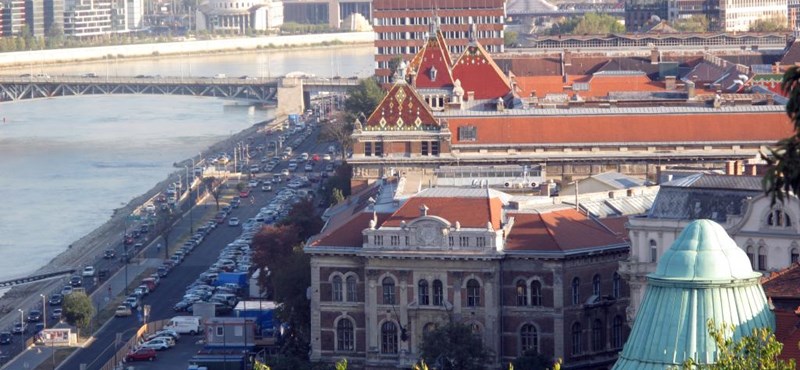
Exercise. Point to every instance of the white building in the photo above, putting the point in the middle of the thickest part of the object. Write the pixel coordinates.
(87, 17)
(240, 16)
(768, 234)
(134, 13)
(738, 15)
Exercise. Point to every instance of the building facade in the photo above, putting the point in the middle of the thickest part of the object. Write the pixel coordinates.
(87, 17)
(13, 14)
(388, 268)
(767, 234)
(240, 17)
(53, 16)
(402, 27)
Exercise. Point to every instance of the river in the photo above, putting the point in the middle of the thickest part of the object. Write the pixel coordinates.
(67, 163)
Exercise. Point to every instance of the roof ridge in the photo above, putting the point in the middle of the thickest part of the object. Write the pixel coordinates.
(780, 273)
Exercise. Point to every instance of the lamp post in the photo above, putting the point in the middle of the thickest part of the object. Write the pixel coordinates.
(189, 189)
(44, 312)
(21, 322)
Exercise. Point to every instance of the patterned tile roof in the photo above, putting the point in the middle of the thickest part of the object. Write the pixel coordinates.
(558, 231)
(791, 54)
(704, 196)
(401, 109)
(478, 72)
(432, 64)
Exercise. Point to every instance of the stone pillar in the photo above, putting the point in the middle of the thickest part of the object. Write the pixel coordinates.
(316, 343)
(371, 312)
(334, 17)
(290, 97)
(558, 306)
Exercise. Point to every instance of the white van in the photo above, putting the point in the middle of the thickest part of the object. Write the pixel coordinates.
(185, 324)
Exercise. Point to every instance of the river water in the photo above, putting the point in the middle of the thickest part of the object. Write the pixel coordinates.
(67, 163)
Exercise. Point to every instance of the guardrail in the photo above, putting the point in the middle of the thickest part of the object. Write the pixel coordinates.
(117, 362)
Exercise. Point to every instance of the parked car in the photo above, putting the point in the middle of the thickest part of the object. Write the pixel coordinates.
(5, 337)
(88, 271)
(56, 299)
(34, 316)
(141, 354)
(158, 344)
(123, 311)
(56, 313)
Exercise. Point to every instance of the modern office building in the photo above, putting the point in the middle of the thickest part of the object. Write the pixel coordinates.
(239, 17)
(13, 15)
(402, 27)
(34, 17)
(87, 17)
(53, 16)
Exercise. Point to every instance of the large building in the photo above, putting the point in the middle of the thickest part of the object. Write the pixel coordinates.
(13, 15)
(240, 17)
(723, 15)
(402, 27)
(87, 17)
(526, 273)
(53, 15)
(766, 233)
(586, 116)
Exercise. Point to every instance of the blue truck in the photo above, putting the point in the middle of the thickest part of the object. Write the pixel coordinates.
(237, 280)
(263, 313)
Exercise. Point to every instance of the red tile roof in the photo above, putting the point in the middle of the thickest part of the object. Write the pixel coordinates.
(478, 72)
(784, 283)
(401, 109)
(438, 4)
(558, 231)
(348, 232)
(626, 128)
(434, 55)
(787, 331)
(600, 84)
(469, 212)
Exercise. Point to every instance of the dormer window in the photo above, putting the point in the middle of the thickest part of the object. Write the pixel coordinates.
(779, 218)
(432, 73)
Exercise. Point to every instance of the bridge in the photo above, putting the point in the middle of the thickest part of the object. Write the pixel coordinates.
(251, 89)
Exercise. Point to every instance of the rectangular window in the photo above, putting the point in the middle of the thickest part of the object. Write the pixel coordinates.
(368, 149)
(463, 241)
(394, 240)
(452, 241)
(379, 149)
(366, 239)
(481, 242)
(434, 148)
(378, 240)
(467, 133)
(220, 331)
(407, 243)
(424, 148)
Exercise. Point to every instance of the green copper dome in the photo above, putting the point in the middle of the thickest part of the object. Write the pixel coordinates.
(703, 276)
(704, 251)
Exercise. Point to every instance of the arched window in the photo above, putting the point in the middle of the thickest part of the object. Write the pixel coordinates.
(345, 339)
(473, 293)
(536, 293)
(522, 293)
(616, 332)
(762, 258)
(598, 337)
(779, 218)
(388, 337)
(337, 289)
(794, 255)
(615, 288)
(576, 291)
(528, 339)
(576, 339)
(596, 285)
(438, 293)
(751, 256)
(351, 289)
(653, 251)
(424, 297)
(388, 290)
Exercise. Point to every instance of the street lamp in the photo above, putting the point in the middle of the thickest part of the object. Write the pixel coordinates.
(44, 312)
(189, 189)
(21, 321)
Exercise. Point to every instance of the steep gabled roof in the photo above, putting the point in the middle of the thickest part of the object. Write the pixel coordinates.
(791, 55)
(401, 109)
(432, 57)
(479, 73)
(558, 231)
(473, 212)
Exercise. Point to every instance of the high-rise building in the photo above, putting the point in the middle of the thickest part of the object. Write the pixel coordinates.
(134, 12)
(639, 13)
(13, 14)
(87, 17)
(401, 27)
(53, 16)
(34, 17)
(729, 15)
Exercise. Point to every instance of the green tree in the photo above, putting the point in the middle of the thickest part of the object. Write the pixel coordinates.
(775, 24)
(695, 23)
(453, 347)
(510, 39)
(338, 130)
(363, 99)
(336, 196)
(212, 186)
(758, 350)
(532, 360)
(782, 177)
(340, 180)
(598, 24)
(78, 310)
(394, 63)
(290, 280)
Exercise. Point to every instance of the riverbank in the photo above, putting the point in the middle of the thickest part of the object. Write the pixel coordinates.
(155, 50)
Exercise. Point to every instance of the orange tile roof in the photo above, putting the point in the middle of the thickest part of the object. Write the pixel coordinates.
(600, 84)
(558, 231)
(348, 232)
(544, 85)
(469, 212)
(434, 55)
(625, 128)
(784, 283)
(401, 109)
(479, 73)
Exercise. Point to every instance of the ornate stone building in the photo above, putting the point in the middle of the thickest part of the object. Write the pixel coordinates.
(391, 265)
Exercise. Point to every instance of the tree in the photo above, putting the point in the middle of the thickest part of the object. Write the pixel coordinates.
(695, 23)
(782, 177)
(303, 216)
(212, 186)
(453, 347)
(598, 24)
(758, 350)
(290, 280)
(775, 24)
(532, 360)
(394, 63)
(340, 180)
(78, 310)
(336, 196)
(510, 39)
(338, 130)
(274, 243)
(363, 99)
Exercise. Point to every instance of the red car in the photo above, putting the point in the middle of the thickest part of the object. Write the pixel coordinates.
(141, 354)
(244, 193)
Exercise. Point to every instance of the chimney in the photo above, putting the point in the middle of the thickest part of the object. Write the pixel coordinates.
(423, 210)
(566, 57)
(739, 168)
(777, 67)
(654, 56)
(670, 82)
(690, 89)
(730, 168)
(770, 99)
(470, 95)
(500, 105)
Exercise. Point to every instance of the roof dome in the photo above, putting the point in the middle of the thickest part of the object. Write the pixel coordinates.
(704, 251)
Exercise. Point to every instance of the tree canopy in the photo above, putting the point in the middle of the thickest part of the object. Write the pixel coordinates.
(78, 309)
(453, 347)
(775, 24)
(363, 99)
(758, 350)
(589, 24)
(783, 161)
(695, 23)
